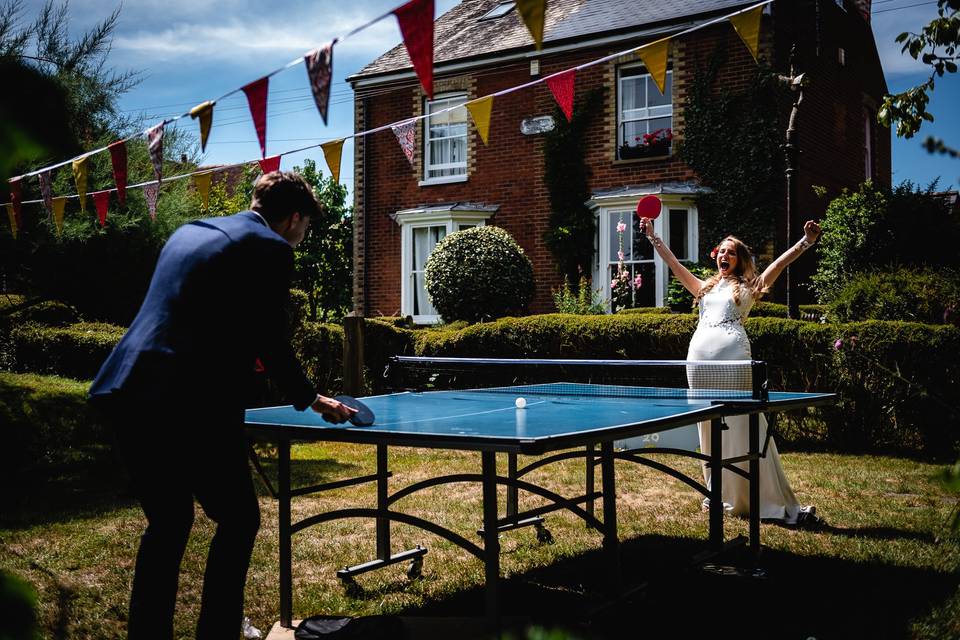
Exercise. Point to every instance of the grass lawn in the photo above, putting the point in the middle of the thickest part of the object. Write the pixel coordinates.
(885, 566)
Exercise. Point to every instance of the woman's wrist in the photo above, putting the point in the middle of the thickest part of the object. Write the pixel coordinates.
(655, 241)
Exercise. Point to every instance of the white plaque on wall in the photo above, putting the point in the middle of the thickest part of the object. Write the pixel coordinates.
(533, 126)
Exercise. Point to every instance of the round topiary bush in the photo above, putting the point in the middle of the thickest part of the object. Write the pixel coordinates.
(913, 295)
(479, 274)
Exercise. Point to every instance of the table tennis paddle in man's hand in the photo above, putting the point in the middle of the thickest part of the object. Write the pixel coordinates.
(363, 417)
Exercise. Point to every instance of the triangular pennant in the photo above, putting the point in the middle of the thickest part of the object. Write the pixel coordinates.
(319, 63)
(155, 144)
(416, 25)
(150, 193)
(480, 112)
(332, 152)
(257, 100)
(561, 85)
(101, 200)
(747, 25)
(13, 220)
(269, 165)
(202, 182)
(80, 177)
(203, 112)
(118, 158)
(654, 58)
(16, 200)
(59, 204)
(46, 192)
(533, 12)
(406, 136)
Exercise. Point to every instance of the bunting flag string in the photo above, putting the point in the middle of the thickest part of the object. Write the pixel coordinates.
(118, 158)
(533, 13)
(16, 200)
(654, 57)
(416, 25)
(13, 220)
(58, 206)
(256, 93)
(332, 152)
(150, 193)
(155, 145)
(480, 112)
(46, 192)
(204, 113)
(319, 65)
(80, 177)
(406, 136)
(269, 165)
(561, 85)
(747, 26)
(101, 200)
(202, 182)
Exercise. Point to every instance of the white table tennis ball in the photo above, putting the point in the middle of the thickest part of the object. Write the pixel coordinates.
(520, 402)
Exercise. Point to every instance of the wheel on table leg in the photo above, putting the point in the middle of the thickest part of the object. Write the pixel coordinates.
(543, 534)
(415, 568)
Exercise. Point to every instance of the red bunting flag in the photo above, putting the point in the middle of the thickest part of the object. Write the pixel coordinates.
(16, 199)
(319, 63)
(155, 145)
(118, 157)
(257, 100)
(268, 165)
(46, 192)
(101, 200)
(561, 85)
(150, 193)
(416, 25)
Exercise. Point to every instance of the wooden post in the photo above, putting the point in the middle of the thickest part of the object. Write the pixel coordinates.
(353, 332)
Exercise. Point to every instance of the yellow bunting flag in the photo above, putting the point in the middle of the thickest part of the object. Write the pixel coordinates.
(332, 151)
(747, 25)
(532, 12)
(480, 112)
(58, 206)
(80, 177)
(202, 182)
(203, 112)
(13, 219)
(654, 57)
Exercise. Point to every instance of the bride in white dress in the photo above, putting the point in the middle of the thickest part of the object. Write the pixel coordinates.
(725, 300)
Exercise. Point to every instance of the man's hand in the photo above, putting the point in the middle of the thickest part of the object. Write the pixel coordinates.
(332, 410)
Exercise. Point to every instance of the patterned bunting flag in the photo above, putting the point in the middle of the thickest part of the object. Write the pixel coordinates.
(257, 100)
(58, 206)
(202, 182)
(155, 144)
(13, 220)
(16, 200)
(118, 158)
(46, 192)
(561, 85)
(654, 57)
(269, 165)
(101, 200)
(319, 63)
(406, 136)
(203, 112)
(416, 25)
(480, 112)
(332, 152)
(150, 193)
(533, 12)
(747, 25)
(80, 177)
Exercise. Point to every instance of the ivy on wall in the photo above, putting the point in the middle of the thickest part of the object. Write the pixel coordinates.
(733, 142)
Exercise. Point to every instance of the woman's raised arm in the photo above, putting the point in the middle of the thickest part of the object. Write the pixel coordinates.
(692, 283)
(811, 231)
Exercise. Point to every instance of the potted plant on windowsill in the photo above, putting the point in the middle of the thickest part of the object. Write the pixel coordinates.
(649, 145)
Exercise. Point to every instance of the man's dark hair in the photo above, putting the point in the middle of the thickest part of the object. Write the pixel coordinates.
(280, 193)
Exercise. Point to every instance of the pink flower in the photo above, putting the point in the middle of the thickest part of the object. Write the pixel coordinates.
(613, 284)
(621, 227)
(637, 281)
(838, 344)
(620, 255)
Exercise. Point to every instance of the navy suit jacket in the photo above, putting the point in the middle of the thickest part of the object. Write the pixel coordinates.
(215, 304)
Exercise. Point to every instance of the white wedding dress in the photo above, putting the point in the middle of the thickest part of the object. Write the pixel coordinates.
(720, 336)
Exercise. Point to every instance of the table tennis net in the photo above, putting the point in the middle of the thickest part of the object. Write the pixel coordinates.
(679, 379)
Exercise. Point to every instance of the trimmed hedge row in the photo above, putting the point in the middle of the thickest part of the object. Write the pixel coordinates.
(73, 351)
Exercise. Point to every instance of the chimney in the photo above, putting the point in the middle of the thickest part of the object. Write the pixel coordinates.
(863, 6)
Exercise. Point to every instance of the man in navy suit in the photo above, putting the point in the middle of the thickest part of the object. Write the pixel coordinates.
(173, 392)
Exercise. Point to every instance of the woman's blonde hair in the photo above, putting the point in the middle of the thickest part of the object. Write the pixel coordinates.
(744, 274)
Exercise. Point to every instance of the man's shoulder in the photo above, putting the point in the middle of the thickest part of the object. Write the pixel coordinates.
(244, 225)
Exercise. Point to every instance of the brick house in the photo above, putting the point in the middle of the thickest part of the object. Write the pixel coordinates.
(482, 46)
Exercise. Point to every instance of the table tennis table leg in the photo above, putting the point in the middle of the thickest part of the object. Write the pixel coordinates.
(611, 541)
(286, 559)
(716, 484)
(754, 471)
(491, 540)
(591, 507)
(383, 524)
(513, 494)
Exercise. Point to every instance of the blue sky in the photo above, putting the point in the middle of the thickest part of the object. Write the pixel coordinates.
(193, 50)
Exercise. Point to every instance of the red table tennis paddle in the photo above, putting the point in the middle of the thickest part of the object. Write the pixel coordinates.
(363, 417)
(649, 207)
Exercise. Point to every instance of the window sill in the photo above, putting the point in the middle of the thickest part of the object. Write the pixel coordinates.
(623, 161)
(447, 180)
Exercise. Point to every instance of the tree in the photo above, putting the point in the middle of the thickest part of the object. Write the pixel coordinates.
(937, 47)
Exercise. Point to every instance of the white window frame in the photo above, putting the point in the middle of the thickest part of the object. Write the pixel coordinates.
(608, 214)
(648, 115)
(867, 145)
(410, 219)
(427, 166)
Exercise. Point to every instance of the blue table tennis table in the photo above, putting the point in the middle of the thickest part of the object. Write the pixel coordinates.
(561, 421)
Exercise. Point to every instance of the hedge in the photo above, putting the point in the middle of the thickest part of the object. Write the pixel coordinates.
(73, 351)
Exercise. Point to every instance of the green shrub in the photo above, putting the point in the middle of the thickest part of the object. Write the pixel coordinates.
(10, 302)
(585, 301)
(644, 310)
(678, 298)
(49, 313)
(479, 274)
(762, 309)
(74, 351)
(917, 295)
